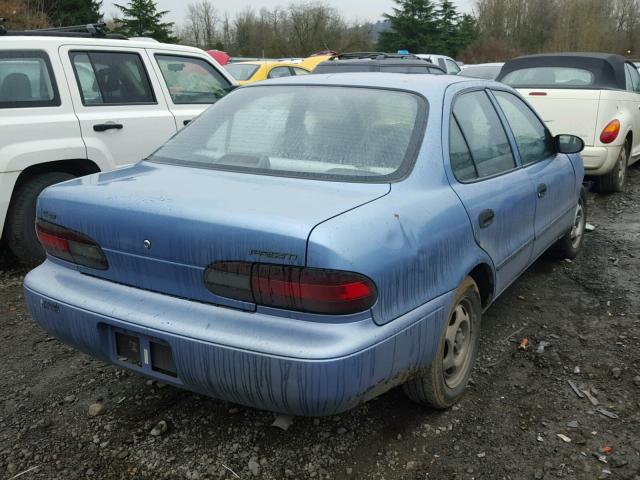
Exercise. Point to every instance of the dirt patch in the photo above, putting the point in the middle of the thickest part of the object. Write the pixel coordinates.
(582, 320)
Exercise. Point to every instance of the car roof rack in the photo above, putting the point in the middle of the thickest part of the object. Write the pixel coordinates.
(374, 55)
(89, 30)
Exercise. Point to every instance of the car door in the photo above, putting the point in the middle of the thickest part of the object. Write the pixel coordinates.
(190, 84)
(632, 100)
(497, 195)
(122, 112)
(552, 173)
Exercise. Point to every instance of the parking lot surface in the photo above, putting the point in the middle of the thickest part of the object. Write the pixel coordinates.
(567, 406)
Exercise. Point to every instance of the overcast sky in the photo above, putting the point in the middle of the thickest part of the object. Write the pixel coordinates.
(352, 9)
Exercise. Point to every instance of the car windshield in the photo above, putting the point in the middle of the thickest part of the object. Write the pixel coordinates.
(487, 72)
(324, 132)
(242, 71)
(551, 77)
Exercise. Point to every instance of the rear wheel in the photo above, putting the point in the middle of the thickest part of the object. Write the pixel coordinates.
(569, 246)
(615, 180)
(444, 382)
(20, 229)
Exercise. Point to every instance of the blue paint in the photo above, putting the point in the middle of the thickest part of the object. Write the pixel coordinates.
(417, 239)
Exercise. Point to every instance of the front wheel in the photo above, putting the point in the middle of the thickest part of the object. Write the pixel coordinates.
(570, 244)
(444, 382)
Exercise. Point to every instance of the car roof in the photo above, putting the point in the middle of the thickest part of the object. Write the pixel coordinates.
(36, 42)
(424, 84)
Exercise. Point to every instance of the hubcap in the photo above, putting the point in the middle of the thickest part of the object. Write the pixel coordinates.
(622, 166)
(457, 346)
(578, 226)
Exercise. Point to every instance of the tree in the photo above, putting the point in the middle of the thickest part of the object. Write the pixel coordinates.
(74, 12)
(448, 25)
(142, 19)
(414, 27)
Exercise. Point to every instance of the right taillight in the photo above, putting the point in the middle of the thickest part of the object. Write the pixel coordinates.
(610, 132)
(71, 246)
(313, 290)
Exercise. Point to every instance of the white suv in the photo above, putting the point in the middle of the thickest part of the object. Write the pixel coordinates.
(74, 104)
(448, 64)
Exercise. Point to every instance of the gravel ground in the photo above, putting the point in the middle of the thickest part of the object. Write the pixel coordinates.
(65, 416)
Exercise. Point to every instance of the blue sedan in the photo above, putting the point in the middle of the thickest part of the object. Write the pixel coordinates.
(309, 243)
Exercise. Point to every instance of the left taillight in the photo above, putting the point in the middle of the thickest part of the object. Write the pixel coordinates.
(313, 290)
(70, 245)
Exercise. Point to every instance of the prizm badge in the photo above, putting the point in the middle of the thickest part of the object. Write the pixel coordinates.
(280, 256)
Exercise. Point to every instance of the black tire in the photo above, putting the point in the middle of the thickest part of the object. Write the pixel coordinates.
(432, 388)
(20, 227)
(615, 180)
(571, 243)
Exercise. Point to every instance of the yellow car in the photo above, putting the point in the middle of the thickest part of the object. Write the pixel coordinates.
(249, 72)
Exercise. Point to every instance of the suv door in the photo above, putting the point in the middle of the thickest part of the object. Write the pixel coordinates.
(190, 84)
(552, 173)
(123, 116)
(498, 195)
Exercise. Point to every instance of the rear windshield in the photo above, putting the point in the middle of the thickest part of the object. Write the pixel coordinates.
(558, 77)
(323, 132)
(241, 71)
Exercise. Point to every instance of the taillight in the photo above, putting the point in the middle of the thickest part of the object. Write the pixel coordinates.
(71, 246)
(312, 290)
(610, 132)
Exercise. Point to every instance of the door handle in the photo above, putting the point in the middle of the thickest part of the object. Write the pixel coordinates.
(186, 122)
(486, 218)
(103, 127)
(542, 190)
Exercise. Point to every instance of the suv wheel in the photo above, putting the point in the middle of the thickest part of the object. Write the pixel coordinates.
(20, 227)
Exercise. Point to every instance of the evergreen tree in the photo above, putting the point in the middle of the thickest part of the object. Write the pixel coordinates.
(142, 19)
(74, 12)
(449, 28)
(414, 27)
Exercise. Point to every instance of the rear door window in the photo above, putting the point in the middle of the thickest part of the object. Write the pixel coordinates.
(484, 134)
(191, 80)
(27, 80)
(279, 72)
(533, 139)
(300, 71)
(112, 78)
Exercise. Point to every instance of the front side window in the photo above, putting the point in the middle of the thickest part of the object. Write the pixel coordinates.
(112, 78)
(324, 132)
(484, 134)
(26, 80)
(192, 80)
(279, 72)
(551, 77)
(533, 140)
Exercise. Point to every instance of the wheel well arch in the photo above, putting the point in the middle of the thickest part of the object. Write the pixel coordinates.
(629, 137)
(77, 167)
(482, 274)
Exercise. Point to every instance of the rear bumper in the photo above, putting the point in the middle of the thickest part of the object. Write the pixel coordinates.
(288, 365)
(600, 160)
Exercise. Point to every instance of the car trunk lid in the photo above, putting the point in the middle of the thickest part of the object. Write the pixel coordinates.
(160, 226)
(566, 111)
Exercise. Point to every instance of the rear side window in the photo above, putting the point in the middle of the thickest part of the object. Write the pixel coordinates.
(632, 78)
(552, 77)
(242, 71)
(191, 80)
(112, 78)
(26, 80)
(461, 161)
(279, 72)
(452, 67)
(323, 132)
(300, 71)
(484, 134)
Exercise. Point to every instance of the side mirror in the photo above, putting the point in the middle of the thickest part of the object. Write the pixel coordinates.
(569, 144)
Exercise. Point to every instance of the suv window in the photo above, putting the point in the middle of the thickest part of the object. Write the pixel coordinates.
(191, 80)
(112, 78)
(481, 127)
(533, 139)
(26, 80)
(452, 67)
